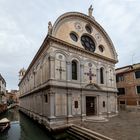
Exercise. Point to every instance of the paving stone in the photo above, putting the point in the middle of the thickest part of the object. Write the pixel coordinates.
(125, 126)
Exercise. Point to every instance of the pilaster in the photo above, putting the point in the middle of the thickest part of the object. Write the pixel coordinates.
(106, 80)
(81, 72)
(52, 104)
(98, 76)
(116, 103)
(68, 63)
(108, 104)
(83, 104)
(69, 104)
(51, 67)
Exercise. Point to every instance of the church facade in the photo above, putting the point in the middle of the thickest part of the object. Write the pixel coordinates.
(72, 76)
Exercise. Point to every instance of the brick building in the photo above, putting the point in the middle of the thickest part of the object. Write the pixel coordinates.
(128, 84)
(12, 97)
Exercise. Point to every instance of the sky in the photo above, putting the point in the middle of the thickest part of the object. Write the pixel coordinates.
(24, 25)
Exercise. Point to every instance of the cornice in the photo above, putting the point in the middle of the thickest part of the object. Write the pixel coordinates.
(45, 42)
(66, 44)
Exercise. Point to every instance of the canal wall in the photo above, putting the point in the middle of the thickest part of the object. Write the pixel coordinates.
(48, 124)
(74, 131)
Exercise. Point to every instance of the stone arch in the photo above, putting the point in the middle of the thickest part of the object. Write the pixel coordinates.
(45, 57)
(91, 61)
(76, 57)
(61, 52)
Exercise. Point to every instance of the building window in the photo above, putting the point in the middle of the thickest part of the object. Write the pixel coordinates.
(119, 78)
(88, 43)
(103, 103)
(88, 28)
(122, 102)
(74, 70)
(102, 75)
(138, 89)
(74, 36)
(46, 98)
(76, 104)
(121, 91)
(137, 74)
(101, 48)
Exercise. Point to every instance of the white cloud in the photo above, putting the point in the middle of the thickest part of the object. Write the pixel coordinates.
(23, 27)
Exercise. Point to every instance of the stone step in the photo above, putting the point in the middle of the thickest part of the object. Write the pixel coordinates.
(77, 136)
(96, 119)
(88, 134)
(84, 134)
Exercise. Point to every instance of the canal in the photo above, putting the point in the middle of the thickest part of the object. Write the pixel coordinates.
(23, 128)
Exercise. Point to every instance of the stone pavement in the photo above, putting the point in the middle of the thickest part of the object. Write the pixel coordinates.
(125, 126)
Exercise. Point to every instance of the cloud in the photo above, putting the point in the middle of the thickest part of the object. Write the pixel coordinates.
(121, 20)
(23, 27)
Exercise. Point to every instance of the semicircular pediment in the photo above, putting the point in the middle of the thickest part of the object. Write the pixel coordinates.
(93, 86)
(71, 27)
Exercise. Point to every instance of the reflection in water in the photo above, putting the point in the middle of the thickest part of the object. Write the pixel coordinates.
(22, 128)
(11, 114)
(31, 131)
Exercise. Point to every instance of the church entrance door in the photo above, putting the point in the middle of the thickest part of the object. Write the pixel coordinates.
(90, 105)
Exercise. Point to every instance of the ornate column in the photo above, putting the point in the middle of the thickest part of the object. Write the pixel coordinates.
(106, 78)
(114, 82)
(52, 104)
(41, 75)
(81, 72)
(83, 105)
(108, 104)
(51, 67)
(69, 104)
(116, 103)
(68, 72)
(98, 76)
(98, 106)
(34, 77)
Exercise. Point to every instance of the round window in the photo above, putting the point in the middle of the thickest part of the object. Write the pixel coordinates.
(88, 29)
(88, 43)
(74, 37)
(101, 48)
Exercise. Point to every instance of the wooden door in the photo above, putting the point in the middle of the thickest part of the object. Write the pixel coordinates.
(90, 106)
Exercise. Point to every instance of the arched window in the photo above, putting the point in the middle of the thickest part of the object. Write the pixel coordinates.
(102, 75)
(74, 70)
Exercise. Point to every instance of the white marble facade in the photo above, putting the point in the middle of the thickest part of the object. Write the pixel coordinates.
(50, 94)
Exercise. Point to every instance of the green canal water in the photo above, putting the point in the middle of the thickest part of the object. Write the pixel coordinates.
(23, 128)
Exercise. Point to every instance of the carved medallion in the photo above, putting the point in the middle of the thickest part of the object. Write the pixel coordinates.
(89, 64)
(60, 56)
(98, 37)
(78, 26)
